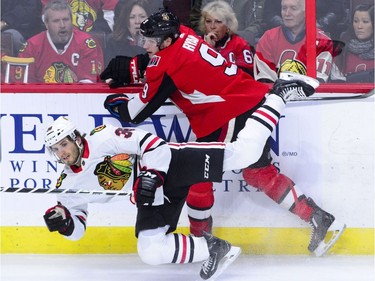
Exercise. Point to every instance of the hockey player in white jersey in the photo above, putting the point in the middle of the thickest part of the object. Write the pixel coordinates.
(158, 173)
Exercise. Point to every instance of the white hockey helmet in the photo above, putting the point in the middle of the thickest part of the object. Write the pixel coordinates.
(58, 130)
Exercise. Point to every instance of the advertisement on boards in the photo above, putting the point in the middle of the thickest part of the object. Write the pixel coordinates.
(310, 145)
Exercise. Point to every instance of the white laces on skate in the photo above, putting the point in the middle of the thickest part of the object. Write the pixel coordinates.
(208, 265)
(313, 225)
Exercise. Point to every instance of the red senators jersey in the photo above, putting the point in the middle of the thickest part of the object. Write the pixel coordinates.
(207, 88)
(85, 12)
(274, 49)
(80, 61)
(237, 50)
(354, 64)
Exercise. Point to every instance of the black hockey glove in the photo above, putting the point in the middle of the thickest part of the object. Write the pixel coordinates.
(58, 218)
(118, 70)
(113, 102)
(146, 184)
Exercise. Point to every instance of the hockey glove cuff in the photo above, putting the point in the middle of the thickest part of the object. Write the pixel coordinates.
(113, 102)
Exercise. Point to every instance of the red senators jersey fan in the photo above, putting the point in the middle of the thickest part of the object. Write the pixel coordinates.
(275, 53)
(355, 63)
(236, 50)
(207, 88)
(80, 61)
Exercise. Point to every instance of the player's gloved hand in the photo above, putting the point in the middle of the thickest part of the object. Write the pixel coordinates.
(113, 102)
(58, 218)
(146, 184)
(118, 70)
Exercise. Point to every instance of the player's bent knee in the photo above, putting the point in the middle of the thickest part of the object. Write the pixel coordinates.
(151, 245)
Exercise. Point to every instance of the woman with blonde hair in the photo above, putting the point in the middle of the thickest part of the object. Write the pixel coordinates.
(218, 24)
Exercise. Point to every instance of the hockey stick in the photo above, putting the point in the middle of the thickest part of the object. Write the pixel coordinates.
(327, 97)
(24, 190)
(330, 97)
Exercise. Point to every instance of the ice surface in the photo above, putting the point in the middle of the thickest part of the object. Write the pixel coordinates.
(130, 268)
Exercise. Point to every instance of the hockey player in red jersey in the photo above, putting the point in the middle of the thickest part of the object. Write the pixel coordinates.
(217, 99)
(159, 174)
(283, 48)
(62, 53)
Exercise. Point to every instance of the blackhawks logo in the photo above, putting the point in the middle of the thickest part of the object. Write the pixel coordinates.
(91, 44)
(114, 172)
(59, 72)
(97, 129)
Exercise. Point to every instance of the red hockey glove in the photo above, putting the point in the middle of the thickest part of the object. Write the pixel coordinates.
(146, 184)
(58, 218)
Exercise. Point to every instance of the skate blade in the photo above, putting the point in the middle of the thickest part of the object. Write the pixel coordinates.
(287, 75)
(333, 234)
(227, 260)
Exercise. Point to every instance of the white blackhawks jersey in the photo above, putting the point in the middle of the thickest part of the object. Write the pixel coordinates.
(111, 159)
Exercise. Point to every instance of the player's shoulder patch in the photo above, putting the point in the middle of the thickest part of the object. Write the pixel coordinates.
(23, 47)
(97, 129)
(154, 61)
(90, 43)
(60, 179)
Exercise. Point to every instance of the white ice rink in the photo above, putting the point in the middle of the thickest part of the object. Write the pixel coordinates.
(131, 268)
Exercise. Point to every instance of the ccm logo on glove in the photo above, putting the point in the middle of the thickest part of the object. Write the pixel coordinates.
(146, 184)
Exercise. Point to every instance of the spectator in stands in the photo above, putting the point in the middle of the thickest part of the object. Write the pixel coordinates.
(126, 39)
(20, 18)
(180, 8)
(357, 60)
(249, 15)
(283, 48)
(272, 14)
(328, 13)
(92, 15)
(62, 54)
(219, 24)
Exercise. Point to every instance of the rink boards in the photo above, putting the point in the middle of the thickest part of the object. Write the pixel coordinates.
(325, 147)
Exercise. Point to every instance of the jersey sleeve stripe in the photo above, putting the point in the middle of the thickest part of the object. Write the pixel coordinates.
(150, 142)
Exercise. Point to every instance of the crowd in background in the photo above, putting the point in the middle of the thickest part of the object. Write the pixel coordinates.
(264, 35)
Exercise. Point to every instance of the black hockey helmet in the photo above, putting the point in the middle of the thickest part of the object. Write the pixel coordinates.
(162, 24)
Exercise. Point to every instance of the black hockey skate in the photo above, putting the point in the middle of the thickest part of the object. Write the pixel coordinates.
(325, 230)
(294, 86)
(222, 254)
